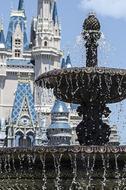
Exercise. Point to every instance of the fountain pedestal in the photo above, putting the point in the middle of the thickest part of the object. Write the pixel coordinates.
(92, 130)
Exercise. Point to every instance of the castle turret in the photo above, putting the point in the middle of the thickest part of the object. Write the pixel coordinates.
(45, 43)
(16, 41)
(47, 35)
(68, 62)
(2, 38)
(59, 132)
(63, 63)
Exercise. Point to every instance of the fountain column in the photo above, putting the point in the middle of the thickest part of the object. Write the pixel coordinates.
(91, 34)
(92, 130)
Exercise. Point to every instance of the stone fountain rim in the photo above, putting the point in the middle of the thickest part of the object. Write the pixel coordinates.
(65, 149)
(76, 70)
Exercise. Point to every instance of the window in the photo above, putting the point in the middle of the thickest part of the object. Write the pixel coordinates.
(45, 43)
(17, 53)
(17, 42)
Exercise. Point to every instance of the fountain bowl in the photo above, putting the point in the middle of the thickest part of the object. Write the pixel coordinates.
(87, 84)
(63, 167)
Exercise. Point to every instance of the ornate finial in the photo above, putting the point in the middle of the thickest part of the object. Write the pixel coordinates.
(91, 23)
(91, 34)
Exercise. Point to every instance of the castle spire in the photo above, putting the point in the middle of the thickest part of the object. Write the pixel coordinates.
(2, 38)
(21, 5)
(68, 61)
(55, 13)
(63, 63)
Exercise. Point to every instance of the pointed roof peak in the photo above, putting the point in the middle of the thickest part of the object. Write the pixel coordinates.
(2, 38)
(63, 63)
(55, 13)
(21, 5)
(59, 107)
(68, 61)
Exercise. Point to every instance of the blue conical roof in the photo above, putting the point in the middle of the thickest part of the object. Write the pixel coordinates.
(2, 38)
(21, 5)
(55, 14)
(63, 63)
(68, 62)
(59, 107)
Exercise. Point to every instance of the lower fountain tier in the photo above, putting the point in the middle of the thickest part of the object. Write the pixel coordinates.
(73, 167)
(89, 84)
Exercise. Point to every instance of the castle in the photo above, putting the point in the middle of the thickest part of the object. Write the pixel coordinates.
(25, 110)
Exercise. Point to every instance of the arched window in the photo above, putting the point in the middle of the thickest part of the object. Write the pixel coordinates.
(45, 43)
(30, 139)
(19, 139)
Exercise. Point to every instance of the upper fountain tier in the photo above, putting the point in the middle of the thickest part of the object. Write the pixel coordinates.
(91, 84)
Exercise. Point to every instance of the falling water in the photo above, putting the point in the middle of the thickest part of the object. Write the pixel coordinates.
(42, 158)
(105, 49)
(74, 184)
(57, 160)
(104, 172)
(117, 173)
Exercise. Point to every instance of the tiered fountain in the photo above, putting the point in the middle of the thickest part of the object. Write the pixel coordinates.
(92, 166)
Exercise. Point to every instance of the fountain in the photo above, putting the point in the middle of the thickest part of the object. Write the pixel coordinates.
(92, 87)
(93, 165)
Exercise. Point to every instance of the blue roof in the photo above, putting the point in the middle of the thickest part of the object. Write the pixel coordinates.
(55, 14)
(63, 63)
(23, 92)
(59, 107)
(60, 125)
(21, 5)
(14, 20)
(22, 62)
(74, 106)
(68, 62)
(2, 38)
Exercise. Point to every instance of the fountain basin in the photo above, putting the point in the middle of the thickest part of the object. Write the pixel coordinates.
(88, 84)
(73, 167)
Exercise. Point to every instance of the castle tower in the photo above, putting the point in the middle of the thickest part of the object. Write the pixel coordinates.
(46, 37)
(15, 57)
(45, 42)
(16, 42)
(59, 132)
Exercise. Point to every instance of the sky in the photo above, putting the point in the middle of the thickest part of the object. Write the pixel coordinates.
(112, 16)
(112, 48)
